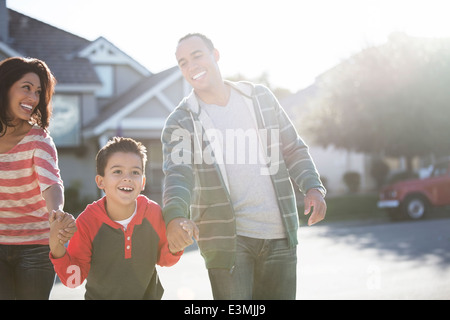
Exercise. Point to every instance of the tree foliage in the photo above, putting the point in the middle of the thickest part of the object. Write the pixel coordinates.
(263, 79)
(392, 99)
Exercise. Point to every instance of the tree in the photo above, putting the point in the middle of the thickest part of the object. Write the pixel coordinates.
(393, 99)
(264, 80)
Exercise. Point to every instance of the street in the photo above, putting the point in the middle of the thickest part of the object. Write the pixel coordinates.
(407, 260)
(404, 260)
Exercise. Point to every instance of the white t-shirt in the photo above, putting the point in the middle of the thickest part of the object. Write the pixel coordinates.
(252, 194)
(125, 222)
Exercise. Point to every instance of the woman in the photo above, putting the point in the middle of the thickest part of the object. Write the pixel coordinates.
(30, 183)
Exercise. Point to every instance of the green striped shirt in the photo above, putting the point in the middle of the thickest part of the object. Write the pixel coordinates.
(196, 185)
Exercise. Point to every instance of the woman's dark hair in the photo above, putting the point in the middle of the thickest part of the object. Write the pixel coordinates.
(11, 71)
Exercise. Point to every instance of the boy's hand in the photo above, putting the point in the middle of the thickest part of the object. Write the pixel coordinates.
(179, 234)
(68, 227)
(58, 222)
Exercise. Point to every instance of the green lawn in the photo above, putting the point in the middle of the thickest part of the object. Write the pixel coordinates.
(350, 207)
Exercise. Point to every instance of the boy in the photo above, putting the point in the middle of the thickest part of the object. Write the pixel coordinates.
(120, 237)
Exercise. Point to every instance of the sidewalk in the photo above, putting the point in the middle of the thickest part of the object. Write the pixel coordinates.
(187, 280)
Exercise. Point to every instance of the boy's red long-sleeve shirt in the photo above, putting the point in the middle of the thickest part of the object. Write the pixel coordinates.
(117, 263)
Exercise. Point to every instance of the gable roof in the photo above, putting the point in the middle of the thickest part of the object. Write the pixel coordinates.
(102, 51)
(114, 113)
(71, 58)
(33, 38)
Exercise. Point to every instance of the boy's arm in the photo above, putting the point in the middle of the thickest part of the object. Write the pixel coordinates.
(56, 240)
(68, 228)
(74, 264)
(167, 255)
(54, 199)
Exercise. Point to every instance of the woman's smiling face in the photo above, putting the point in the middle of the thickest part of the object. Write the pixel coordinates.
(23, 97)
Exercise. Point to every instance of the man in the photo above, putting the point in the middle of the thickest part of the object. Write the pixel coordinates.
(230, 153)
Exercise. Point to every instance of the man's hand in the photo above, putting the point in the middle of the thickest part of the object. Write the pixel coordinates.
(315, 200)
(179, 234)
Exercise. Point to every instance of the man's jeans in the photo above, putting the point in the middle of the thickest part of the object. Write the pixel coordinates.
(26, 272)
(264, 269)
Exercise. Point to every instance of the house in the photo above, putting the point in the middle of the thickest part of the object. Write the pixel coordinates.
(101, 92)
(332, 163)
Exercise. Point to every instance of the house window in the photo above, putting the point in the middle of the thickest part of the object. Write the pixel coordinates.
(106, 75)
(65, 124)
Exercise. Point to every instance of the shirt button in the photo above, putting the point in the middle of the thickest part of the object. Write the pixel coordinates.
(128, 238)
(128, 247)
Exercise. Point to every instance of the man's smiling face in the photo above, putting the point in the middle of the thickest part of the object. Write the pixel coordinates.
(198, 63)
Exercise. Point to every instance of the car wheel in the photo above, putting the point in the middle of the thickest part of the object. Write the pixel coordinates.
(415, 207)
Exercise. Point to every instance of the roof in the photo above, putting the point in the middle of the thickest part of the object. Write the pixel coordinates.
(131, 100)
(33, 38)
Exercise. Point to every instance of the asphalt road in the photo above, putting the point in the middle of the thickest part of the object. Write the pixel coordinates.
(407, 260)
(381, 260)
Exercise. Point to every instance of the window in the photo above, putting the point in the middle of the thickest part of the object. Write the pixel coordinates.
(440, 169)
(65, 124)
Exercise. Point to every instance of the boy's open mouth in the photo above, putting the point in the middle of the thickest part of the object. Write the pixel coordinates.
(126, 189)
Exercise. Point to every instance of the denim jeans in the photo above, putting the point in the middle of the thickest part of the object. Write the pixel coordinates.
(264, 269)
(26, 272)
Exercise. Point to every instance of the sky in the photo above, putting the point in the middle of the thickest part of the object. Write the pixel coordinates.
(292, 41)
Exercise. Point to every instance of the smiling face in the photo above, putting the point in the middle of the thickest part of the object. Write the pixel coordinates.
(198, 63)
(23, 97)
(123, 179)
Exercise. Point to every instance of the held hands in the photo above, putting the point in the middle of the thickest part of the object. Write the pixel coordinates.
(62, 228)
(180, 232)
(315, 201)
(66, 225)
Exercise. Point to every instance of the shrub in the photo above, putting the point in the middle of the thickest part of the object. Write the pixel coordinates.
(352, 180)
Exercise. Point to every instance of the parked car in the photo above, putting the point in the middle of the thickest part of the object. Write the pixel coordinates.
(413, 199)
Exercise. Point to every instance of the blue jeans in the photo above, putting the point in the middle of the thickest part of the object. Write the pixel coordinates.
(26, 272)
(264, 269)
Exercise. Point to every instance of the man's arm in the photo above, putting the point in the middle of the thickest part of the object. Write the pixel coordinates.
(301, 166)
(178, 183)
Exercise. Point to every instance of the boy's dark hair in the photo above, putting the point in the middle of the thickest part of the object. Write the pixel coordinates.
(205, 39)
(119, 144)
(11, 71)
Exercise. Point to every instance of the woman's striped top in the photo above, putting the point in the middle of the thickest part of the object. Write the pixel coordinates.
(26, 171)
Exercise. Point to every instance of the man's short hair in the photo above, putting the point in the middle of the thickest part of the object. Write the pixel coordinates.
(205, 39)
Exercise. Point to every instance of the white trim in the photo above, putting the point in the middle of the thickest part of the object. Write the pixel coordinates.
(143, 123)
(165, 101)
(101, 51)
(119, 117)
(9, 51)
(76, 88)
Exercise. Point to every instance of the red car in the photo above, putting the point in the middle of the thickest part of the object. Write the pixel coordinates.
(413, 199)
